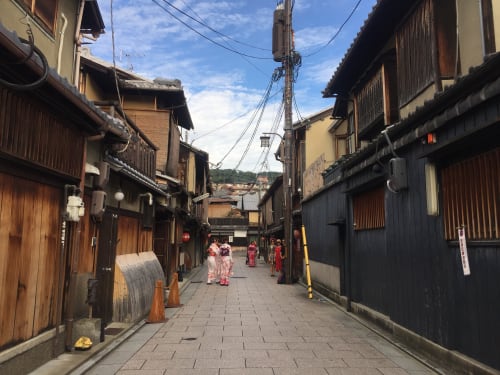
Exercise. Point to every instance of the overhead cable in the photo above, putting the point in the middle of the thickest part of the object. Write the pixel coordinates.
(209, 39)
(338, 31)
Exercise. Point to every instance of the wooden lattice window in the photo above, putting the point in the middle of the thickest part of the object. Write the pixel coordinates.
(414, 53)
(488, 26)
(369, 209)
(471, 195)
(351, 134)
(44, 10)
(371, 102)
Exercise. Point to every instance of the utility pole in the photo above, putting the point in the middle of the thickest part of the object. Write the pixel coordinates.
(288, 175)
(283, 51)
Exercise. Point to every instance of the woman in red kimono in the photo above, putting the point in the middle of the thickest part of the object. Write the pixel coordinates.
(278, 257)
(251, 253)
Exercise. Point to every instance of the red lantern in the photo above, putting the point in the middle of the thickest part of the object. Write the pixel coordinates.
(185, 237)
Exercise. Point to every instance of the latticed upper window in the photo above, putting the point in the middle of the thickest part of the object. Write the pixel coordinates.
(369, 209)
(45, 10)
(488, 27)
(471, 196)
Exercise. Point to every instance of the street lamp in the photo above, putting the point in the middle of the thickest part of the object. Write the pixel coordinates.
(265, 139)
(265, 142)
(287, 189)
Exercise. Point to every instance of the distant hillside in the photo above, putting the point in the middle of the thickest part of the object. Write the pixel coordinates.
(230, 176)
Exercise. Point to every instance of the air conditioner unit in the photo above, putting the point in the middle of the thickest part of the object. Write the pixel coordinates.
(398, 178)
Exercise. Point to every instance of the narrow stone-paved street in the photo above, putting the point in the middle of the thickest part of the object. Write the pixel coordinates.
(255, 326)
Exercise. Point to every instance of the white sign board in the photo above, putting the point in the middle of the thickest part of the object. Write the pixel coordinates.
(463, 251)
(240, 233)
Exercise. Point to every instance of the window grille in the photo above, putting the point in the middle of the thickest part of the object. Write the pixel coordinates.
(44, 10)
(471, 195)
(371, 102)
(414, 53)
(488, 26)
(369, 209)
(351, 134)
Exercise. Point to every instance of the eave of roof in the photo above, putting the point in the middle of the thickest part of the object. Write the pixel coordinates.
(378, 28)
(99, 121)
(170, 89)
(135, 175)
(313, 118)
(480, 85)
(92, 22)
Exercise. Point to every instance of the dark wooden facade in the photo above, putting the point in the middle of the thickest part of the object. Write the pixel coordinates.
(398, 249)
(408, 270)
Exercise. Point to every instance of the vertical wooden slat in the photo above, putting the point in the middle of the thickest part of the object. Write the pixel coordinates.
(490, 194)
(8, 276)
(51, 242)
(470, 196)
(29, 256)
(13, 248)
(369, 209)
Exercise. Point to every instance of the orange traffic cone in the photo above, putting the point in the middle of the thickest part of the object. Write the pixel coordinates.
(157, 313)
(173, 295)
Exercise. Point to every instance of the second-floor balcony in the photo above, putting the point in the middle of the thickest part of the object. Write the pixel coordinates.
(139, 152)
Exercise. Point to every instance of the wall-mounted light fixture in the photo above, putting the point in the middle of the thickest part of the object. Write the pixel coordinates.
(119, 195)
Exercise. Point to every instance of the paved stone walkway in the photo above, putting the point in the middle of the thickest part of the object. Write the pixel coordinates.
(255, 327)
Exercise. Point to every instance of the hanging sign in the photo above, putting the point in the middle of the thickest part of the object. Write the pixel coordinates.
(463, 251)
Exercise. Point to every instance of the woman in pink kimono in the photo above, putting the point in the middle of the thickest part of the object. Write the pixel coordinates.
(225, 254)
(251, 253)
(212, 255)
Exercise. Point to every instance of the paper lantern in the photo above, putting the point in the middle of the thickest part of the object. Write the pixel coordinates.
(185, 237)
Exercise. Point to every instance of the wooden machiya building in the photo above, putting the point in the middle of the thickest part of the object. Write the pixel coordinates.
(77, 194)
(45, 124)
(408, 222)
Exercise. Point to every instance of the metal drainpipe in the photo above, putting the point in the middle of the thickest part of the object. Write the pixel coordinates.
(78, 44)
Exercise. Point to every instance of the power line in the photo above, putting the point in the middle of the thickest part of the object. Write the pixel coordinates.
(262, 104)
(203, 23)
(338, 31)
(207, 38)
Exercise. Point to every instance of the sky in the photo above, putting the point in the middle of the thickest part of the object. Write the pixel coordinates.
(221, 52)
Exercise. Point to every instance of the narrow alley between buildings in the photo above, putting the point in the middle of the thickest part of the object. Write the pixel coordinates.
(254, 326)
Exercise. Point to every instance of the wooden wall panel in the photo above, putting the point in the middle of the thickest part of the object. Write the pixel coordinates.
(9, 259)
(49, 264)
(29, 257)
(32, 141)
(128, 235)
(87, 228)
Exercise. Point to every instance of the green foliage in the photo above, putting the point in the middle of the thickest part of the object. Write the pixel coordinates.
(231, 176)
